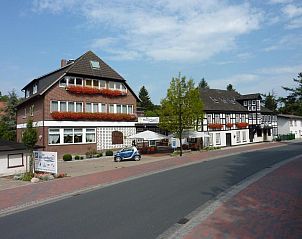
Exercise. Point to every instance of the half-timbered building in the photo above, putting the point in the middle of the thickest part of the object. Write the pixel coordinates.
(234, 119)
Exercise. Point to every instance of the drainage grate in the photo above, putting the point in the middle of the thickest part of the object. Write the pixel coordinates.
(183, 221)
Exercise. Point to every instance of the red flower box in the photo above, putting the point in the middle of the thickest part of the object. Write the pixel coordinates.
(215, 126)
(229, 125)
(95, 91)
(92, 116)
(242, 125)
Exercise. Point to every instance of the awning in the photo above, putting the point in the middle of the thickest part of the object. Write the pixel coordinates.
(148, 135)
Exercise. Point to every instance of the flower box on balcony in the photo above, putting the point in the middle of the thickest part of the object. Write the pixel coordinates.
(229, 125)
(215, 126)
(242, 125)
(92, 116)
(95, 91)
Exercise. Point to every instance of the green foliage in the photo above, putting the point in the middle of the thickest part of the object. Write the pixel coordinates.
(81, 158)
(211, 148)
(203, 84)
(230, 87)
(30, 135)
(146, 102)
(8, 120)
(100, 154)
(27, 176)
(182, 108)
(109, 153)
(270, 101)
(292, 104)
(67, 157)
(77, 157)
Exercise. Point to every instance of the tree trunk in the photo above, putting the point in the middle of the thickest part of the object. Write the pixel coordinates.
(180, 141)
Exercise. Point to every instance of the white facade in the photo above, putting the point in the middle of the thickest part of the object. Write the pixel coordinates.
(13, 162)
(290, 125)
(237, 137)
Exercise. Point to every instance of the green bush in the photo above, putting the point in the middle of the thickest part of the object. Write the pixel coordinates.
(109, 153)
(82, 157)
(77, 157)
(99, 155)
(27, 176)
(67, 157)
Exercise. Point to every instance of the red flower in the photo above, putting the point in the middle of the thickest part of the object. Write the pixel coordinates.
(95, 91)
(229, 125)
(242, 125)
(92, 116)
(215, 126)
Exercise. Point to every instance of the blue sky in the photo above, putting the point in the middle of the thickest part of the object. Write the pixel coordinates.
(254, 45)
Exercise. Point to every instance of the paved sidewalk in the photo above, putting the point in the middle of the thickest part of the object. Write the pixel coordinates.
(269, 208)
(11, 199)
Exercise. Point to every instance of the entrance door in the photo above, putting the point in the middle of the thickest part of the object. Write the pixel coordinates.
(228, 139)
(264, 134)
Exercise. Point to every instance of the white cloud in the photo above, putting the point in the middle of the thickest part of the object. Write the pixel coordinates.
(280, 1)
(281, 70)
(292, 11)
(191, 30)
(291, 41)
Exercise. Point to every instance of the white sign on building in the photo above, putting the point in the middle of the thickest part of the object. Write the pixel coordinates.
(148, 120)
(46, 161)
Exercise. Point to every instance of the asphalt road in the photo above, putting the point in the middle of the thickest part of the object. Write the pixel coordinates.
(142, 208)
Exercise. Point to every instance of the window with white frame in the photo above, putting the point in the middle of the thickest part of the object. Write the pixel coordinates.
(111, 108)
(217, 137)
(119, 109)
(79, 81)
(63, 106)
(71, 81)
(54, 136)
(130, 109)
(95, 65)
(71, 136)
(102, 108)
(258, 105)
(95, 83)
(90, 135)
(35, 88)
(88, 83)
(228, 118)
(253, 108)
(243, 136)
(209, 118)
(124, 109)
(68, 136)
(27, 93)
(243, 118)
(54, 106)
(253, 102)
(245, 103)
(79, 107)
(238, 136)
(237, 118)
(102, 84)
(63, 82)
(31, 110)
(88, 108)
(217, 119)
(211, 139)
(78, 136)
(111, 85)
(71, 107)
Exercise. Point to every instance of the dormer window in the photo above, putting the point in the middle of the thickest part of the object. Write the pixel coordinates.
(63, 82)
(95, 65)
(27, 93)
(35, 88)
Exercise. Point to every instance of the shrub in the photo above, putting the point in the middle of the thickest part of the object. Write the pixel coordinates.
(109, 153)
(99, 155)
(27, 176)
(82, 157)
(77, 157)
(67, 157)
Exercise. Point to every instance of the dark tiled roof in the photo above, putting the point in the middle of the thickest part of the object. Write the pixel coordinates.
(249, 97)
(290, 116)
(221, 100)
(81, 66)
(11, 146)
(266, 110)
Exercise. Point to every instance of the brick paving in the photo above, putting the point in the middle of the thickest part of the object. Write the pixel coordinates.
(14, 197)
(269, 208)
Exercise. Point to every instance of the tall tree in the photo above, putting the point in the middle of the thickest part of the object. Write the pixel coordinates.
(230, 87)
(270, 101)
(30, 138)
(181, 108)
(203, 84)
(146, 102)
(292, 104)
(8, 120)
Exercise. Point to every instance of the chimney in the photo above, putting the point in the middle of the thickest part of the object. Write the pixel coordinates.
(63, 62)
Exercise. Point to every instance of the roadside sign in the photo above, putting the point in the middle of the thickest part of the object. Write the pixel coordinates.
(46, 161)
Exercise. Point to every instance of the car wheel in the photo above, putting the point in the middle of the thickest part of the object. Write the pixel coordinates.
(118, 159)
(137, 158)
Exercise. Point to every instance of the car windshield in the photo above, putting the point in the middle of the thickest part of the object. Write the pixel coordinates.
(127, 149)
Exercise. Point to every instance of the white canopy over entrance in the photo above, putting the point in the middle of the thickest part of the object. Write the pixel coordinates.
(148, 135)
